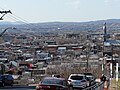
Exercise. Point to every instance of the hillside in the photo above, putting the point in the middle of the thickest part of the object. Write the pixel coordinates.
(112, 24)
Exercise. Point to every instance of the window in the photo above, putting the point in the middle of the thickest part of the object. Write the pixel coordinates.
(77, 77)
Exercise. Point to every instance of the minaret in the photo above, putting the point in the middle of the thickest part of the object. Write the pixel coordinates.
(105, 32)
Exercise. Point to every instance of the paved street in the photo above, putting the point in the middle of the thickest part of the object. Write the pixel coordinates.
(18, 88)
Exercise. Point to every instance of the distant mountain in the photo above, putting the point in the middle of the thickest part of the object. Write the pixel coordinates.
(52, 23)
(5, 23)
(11, 23)
(103, 21)
(112, 24)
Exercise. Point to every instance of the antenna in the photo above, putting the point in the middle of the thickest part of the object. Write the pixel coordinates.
(4, 13)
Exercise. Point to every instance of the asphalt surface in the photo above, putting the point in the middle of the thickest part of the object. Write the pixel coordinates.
(18, 88)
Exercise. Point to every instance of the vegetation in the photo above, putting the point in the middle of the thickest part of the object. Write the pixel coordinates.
(113, 84)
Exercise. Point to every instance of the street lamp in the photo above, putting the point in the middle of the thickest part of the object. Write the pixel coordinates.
(2, 68)
(4, 13)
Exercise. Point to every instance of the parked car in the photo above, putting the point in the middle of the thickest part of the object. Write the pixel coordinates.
(1, 81)
(7, 80)
(52, 83)
(91, 78)
(56, 75)
(77, 81)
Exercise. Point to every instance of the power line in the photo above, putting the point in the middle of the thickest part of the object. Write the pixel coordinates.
(17, 19)
(21, 18)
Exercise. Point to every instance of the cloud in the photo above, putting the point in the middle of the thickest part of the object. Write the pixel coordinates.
(74, 3)
(110, 1)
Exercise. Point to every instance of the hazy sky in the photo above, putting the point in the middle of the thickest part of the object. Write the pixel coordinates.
(61, 10)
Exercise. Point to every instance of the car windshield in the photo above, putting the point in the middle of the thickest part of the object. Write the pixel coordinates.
(52, 81)
(77, 77)
(89, 78)
(8, 77)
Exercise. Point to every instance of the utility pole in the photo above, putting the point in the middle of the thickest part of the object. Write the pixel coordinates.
(87, 51)
(4, 13)
(104, 39)
(117, 76)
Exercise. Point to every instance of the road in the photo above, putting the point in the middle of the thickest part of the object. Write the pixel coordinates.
(18, 88)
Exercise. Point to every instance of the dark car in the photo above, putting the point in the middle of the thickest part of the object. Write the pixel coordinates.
(1, 80)
(56, 75)
(7, 80)
(90, 77)
(52, 83)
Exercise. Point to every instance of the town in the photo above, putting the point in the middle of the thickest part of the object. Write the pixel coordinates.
(30, 56)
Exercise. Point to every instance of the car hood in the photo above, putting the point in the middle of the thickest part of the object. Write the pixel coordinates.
(56, 85)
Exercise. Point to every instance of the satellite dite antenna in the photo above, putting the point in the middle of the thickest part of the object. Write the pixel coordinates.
(4, 13)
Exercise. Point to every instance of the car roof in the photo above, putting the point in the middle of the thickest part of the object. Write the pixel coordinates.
(77, 75)
(54, 78)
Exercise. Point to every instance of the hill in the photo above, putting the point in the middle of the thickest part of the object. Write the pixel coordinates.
(112, 24)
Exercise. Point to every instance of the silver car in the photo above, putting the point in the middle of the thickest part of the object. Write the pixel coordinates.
(77, 81)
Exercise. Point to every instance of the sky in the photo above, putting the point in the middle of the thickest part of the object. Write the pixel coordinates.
(35, 11)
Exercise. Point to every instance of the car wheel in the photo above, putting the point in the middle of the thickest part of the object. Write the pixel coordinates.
(70, 88)
(11, 85)
(3, 84)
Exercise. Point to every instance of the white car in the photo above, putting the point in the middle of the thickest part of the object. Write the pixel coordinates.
(90, 77)
(77, 81)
